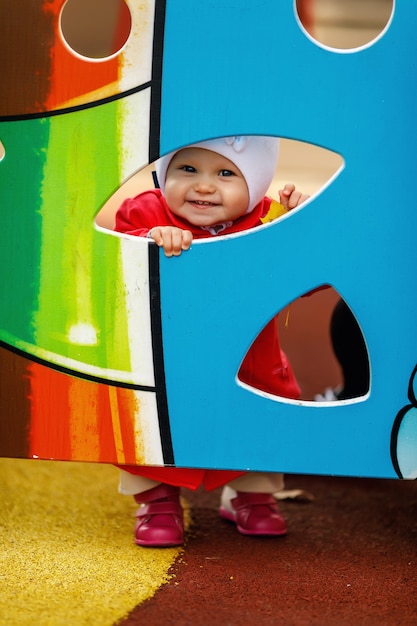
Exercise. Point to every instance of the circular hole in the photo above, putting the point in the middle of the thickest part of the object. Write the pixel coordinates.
(344, 24)
(95, 29)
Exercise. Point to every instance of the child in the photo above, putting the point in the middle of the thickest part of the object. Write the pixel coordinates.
(212, 188)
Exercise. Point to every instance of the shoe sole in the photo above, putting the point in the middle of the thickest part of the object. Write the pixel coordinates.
(153, 544)
(230, 517)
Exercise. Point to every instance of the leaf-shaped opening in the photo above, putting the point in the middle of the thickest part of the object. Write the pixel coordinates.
(307, 166)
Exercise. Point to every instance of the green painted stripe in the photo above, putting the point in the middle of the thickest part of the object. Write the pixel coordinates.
(61, 284)
(80, 302)
(21, 176)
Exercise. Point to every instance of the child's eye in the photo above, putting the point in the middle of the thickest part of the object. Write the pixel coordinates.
(226, 173)
(188, 168)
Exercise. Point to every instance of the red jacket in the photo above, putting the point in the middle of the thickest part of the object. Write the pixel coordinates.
(264, 367)
(136, 216)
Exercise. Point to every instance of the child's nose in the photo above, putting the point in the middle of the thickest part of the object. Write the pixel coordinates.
(204, 184)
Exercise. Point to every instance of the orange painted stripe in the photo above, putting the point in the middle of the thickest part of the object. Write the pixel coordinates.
(133, 442)
(74, 419)
(83, 419)
(49, 426)
(114, 412)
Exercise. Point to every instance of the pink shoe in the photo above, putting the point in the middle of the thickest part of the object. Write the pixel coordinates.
(160, 517)
(255, 514)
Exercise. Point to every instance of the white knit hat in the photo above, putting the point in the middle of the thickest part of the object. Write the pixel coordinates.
(254, 155)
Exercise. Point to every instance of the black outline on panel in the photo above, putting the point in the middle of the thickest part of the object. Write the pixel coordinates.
(394, 438)
(158, 355)
(78, 107)
(75, 373)
(156, 80)
(398, 420)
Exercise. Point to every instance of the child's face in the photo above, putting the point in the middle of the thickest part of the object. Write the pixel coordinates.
(205, 188)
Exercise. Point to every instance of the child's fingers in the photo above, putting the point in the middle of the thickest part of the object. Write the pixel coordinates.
(297, 198)
(285, 194)
(289, 188)
(155, 234)
(187, 238)
(177, 240)
(294, 199)
(290, 197)
(173, 240)
(168, 242)
(162, 238)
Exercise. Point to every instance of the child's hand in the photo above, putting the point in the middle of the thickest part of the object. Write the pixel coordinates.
(290, 197)
(172, 239)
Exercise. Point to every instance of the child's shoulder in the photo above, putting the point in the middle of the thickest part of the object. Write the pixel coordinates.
(141, 212)
(147, 201)
(150, 197)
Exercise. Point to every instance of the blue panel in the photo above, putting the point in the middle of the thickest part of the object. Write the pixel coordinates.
(358, 235)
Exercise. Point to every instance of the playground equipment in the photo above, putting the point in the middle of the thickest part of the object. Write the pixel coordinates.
(91, 321)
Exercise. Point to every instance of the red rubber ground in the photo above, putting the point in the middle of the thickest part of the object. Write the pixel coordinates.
(349, 559)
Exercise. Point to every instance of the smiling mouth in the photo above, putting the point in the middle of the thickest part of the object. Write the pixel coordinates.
(201, 203)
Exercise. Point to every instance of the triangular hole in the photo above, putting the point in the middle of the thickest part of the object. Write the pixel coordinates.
(320, 355)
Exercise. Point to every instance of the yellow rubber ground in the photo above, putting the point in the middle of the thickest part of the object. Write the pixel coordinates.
(67, 554)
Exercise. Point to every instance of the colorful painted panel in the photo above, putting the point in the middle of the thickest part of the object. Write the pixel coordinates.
(76, 299)
(92, 321)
